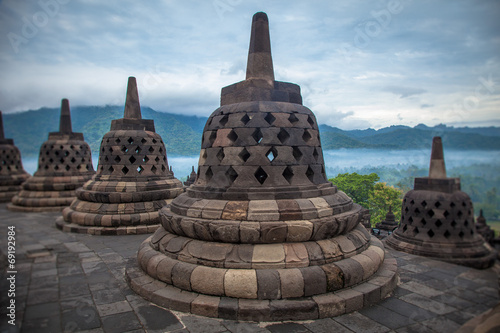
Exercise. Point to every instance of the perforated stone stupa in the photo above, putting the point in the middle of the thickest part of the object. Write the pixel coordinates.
(437, 219)
(132, 182)
(262, 235)
(12, 173)
(64, 164)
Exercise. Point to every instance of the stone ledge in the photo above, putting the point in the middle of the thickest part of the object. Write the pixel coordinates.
(303, 308)
(104, 231)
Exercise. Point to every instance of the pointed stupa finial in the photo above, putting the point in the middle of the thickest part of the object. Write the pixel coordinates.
(260, 62)
(437, 168)
(192, 168)
(65, 120)
(132, 106)
(2, 135)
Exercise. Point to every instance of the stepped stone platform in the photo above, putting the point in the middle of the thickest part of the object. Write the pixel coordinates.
(76, 282)
(64, 164)
(12, 173)
(133, 181)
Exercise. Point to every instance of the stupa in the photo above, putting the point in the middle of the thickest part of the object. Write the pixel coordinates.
(389, 223)
(191, 178)
(64, 164)
(132, 182)
(12, 173)
(262, 235)
(437, 219)
(484, 229)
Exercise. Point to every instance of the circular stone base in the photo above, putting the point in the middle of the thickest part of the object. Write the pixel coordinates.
(123, 230)
(304, 308)
(16, 208)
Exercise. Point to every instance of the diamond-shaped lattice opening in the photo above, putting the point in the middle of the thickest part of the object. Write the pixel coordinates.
(464, 204)
(269, 118)
(51, 160)
(212, 137)
(163, 168)
(288, 174)
(447, 234)
(410, 220)
(306, 136)
(310, 174)
(461, 234)
(415, 231)
(143, 141)
(424, 203)
(231, 174)
(417, 211)
(56, 167)
(297, 154)
(471, 231)
(105, 159)
(151, 149)
(137, 150)
(438, 223)
(160, 150)
(102, 149)
(125, 149)
(78, 167)
(315, 154)
(145, 159)
(459, 213)
(154, 141)
(61, 160)
(154, 169)
(223, 121)
(232, 136)
(405, 227)
(117, 159)
(437, 204)
(423, 222)
(271, 154)
(293, 119)
(140, 169)
(132, 159)
(452, 205)
(67, 168)
(466, 223)
(430, 233)
(157, 159)
(310, 120)
(66, 153)
(130, 140)
(244, 155)
(73, 160)
(260, 175)
(111, 169)
(57, 153)
(257, 135)
(453, 223)
(446, 214)
(220, 155)
(125, 170)
(117, 140)
(412, 202)
(283, 135)
(406, 209)
(245, 119)
(209, 174)
(430, 213)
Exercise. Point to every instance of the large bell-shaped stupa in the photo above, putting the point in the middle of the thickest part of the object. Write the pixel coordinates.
(132, 182)
(64, 164)
(262, 234)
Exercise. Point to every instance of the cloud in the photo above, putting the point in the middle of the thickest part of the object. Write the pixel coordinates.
(404, 92)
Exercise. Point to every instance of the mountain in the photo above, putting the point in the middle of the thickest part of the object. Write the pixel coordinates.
(182, 134)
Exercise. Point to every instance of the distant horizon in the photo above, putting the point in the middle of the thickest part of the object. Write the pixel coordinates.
(449, 125)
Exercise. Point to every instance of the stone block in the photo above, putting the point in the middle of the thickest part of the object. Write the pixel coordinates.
(353, 299)
(269, 285)
(240, 283)
(334, 277)
(369, 267)
(284, 309)
(208, 280)
(273, 232)
(299, 231)
(268, 256)
(331, 250)
(228, 308)
(263, 210)
(235, 210)
(353, 271)
(292, 283)
(207, 306)
(249, 232)
(181, 275)
(296, 255)
(329, 305)
(173, 298)
(164, 269)
(314, 280)
(371, 293)
(254, 310)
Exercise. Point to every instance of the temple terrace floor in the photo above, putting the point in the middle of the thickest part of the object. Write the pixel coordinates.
(73, 282)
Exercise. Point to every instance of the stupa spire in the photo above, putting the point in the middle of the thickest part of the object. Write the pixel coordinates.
(260, 62)
(437, 168)
(65, 120)
(132, 106)
(2, 135)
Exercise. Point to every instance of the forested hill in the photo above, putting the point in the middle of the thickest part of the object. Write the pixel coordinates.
(182, 134)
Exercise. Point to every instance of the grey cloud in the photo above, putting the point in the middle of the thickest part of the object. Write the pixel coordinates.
(404, 92)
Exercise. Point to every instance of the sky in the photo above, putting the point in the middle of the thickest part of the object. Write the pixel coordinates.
(360, 64)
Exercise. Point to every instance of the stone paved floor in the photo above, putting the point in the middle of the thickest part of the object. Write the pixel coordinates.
(71, 282)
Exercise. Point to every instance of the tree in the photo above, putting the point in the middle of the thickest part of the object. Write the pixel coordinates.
(357, 187)
(381, 198)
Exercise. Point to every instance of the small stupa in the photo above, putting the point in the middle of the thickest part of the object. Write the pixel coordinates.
(437, 219)
(191, 178)
(64, 164)
(484, 229)
(262, 234)
(389, 223)
(12, 173)
(132, 182)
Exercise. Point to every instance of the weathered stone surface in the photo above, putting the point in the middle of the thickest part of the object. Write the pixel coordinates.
(240, 283)
(208, 280)
(292, 283)
(269, 284)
